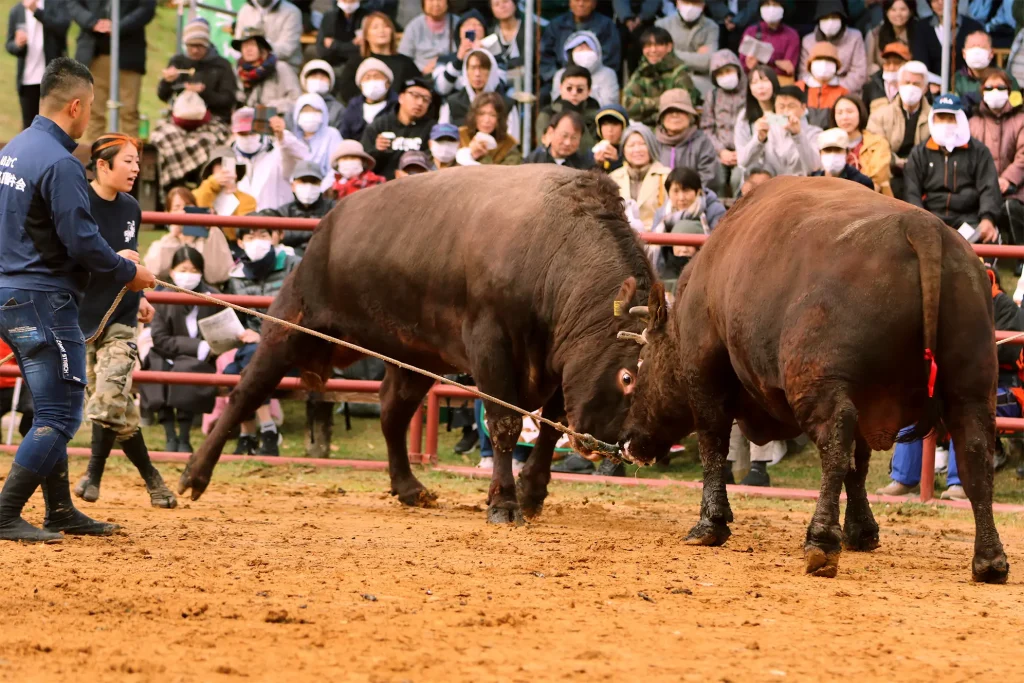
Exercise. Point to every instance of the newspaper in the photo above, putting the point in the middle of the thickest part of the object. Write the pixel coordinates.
(751, 46)
(221, 331)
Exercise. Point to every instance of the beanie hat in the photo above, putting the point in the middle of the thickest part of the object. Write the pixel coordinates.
(373, 64)
(317, 65)
(196, 32)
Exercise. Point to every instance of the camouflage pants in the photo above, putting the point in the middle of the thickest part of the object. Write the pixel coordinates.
(110, 362)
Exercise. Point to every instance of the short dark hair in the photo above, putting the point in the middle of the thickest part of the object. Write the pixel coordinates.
(792, 91)
(862, 111)
(759, 170)
(62, 78)
(478, 56)
(573, 116)
(191, 254)
(655, 35)
(577, 71)
(685, 177)
(242, 232)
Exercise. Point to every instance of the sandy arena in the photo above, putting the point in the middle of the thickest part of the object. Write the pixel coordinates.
(279, 575)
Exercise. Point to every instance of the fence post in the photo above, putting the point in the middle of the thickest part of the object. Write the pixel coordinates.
(928, 468)
(433, 419)
(416, 436)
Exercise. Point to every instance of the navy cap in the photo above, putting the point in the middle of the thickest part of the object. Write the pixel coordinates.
(444, 130)
(947, 102)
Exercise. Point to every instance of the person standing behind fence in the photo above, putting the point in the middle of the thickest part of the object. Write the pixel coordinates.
(36, 35)
(93, 16)
(51, 244)
(111, 359)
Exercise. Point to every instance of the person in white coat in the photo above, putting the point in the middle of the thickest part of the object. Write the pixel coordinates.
(584, 49)
(269, 159)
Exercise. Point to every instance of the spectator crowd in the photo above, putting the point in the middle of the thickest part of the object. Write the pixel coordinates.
(686, 106)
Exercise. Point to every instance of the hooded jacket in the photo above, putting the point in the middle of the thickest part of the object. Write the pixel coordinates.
(335, 109)
(552, 44)
(651, 193)
(214, 72)
(1003, 135)
(722, 107)
(282, 25)
(687, 39)
(135, 15)
(324, 140)
(266, 177)
(456, 105)
(449, 72)
(604, 84)
(649, 81)
(853, 61)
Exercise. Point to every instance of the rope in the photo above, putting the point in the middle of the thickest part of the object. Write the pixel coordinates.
(1009, 339)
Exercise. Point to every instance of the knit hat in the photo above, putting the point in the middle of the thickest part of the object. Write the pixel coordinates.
(352, 148)
(687, 226)
(899, 49)
(833, 137)
(825, 50)
(189, 106)
(307, 169)
(256, 33)
(948, 103)
(196, 32)
(373, 64)
(615, 111)
(827, 7)
(676, 98)
(317, 65)
(241, 120)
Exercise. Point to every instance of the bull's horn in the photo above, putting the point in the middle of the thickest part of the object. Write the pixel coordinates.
(642, 311)
(638, 338)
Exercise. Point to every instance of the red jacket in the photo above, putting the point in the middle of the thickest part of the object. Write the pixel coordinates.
(343, 188)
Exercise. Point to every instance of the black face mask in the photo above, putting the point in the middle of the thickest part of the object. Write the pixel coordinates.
(259, 270)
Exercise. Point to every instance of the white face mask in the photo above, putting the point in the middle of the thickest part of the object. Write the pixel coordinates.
(443, 151)
(823, 70)
(977, 57)
(349, 168)
(317, 85)
(348, 7)
(585, 58)
(996, 99)
(310, 121)
(257, 249)
(910, 94)
(832, 162)
(186, 280)
(944, 134)
(890, 76)
(249, 144)
(307, 193)
(772, 14)
(689, 13)
(728, 81)
(374, 90)
(830, 27)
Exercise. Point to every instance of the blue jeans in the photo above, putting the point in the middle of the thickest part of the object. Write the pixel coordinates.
(521, 453)
(42, 330)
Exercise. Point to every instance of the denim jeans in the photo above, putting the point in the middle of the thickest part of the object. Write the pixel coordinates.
(42, 330)
(521, 453)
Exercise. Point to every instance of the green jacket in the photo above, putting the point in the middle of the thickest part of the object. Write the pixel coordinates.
(588, 111)
(649, 81)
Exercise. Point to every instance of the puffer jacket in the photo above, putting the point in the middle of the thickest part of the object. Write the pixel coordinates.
(853, 61)
(723, 107)
(214, 72)
(649, 81)
(1003, 134)
(239, 284)
(875, 161)
(604, 84)
(958, 187)
(298, 239)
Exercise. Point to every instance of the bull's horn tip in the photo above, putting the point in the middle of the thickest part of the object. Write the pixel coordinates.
(639, 310)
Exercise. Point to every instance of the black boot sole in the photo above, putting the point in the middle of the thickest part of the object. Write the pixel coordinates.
(26, 533)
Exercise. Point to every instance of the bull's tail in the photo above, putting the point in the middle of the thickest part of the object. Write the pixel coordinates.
(926, 240)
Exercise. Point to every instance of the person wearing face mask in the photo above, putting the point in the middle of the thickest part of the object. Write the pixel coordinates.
(694, 38)
(953, 175)
(317, 78)
(883, 86)
(659, 70)
(822, 84)
(721, 111)
(583, 49)
(269, 159)
(337, 41)
(574, 95)
(904, 121)
(374, 99)
(310, 116)
(926, 43)
(219, 190)
(484, 139)
(785, 42)
(832, 146)
(444, 145)
(280, 21)
(179, 347)
(831, 19)
(977, 58)
(261, 271)
(353, 169)
(183, 142)
(582, 16)
(309, 202)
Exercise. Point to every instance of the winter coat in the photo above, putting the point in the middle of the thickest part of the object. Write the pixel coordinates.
(1003, 135)
(552, 43)
(353, 123)
(412, 137)
(582, 159)
(958, 187)
(588, 110)
(853, 66)
(785, 41)
(282, 24)
(269, 170)
(421, 44)
(968, 87)
(457, 104)
(851, 174)
(652, 194)
(279, 90)
(782, 153)
(505, 154)
(208, 191)
(401, 66)
(890, 122)
(718, 120)
(649, 81)
(239, 284)
(55, 21)
(697, 152)
(820, 100)
(604, 83)
(324, 140)
(925, 45)
(342, 31)
(874, 94)
(298, 239)
(687, 39)
(217, 257)
(213, 71)
(875, 159)
(135, 15)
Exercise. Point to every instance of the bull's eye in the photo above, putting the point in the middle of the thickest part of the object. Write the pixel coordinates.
(626, 378)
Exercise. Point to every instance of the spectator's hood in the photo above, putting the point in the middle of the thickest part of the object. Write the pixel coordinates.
(653, 146)
(312, 100)
(578, 38)
(493, 78)
(270, 6)
(723, 58)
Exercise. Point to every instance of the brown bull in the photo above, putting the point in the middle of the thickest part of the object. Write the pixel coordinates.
(507, 273)
(811, 310)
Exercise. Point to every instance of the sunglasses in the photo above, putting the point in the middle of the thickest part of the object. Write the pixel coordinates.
(992, 88)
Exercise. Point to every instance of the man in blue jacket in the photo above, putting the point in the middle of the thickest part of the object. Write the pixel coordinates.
(51, 244)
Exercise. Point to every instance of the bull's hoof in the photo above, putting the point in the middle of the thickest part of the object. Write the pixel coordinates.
(531, 500)
(820, 563)
(416, 495)
(860, 537)
(505, 513)
(708, 533)
(984, 570)
(192, 480)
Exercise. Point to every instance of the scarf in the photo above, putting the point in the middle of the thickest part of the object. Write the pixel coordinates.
(260, 270)
(191, 124)
(696, 210)
(636, 179)
(673, 140)
(254, 73)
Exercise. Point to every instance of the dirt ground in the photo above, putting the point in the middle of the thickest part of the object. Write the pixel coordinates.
(278, 574)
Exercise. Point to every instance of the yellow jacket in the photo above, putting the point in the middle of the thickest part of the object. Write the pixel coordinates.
(875, 158)
(206, 195)
(652, 194)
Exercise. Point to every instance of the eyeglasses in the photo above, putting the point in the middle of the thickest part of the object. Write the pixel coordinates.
(418, 96)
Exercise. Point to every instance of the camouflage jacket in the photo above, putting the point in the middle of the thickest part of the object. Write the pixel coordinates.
(649, 81)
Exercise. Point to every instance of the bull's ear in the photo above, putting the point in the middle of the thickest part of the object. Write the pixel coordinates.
(624, 299)
(657, 308)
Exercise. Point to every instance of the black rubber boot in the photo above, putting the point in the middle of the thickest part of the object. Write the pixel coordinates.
(88, 487)
(268, 442)
(247, 444)
(757, 476)
(167, 422)
(610, 468)
(20, 485)
(184, 427)
(574, 463)
(469, 441)
(159, 495)
(61, 514)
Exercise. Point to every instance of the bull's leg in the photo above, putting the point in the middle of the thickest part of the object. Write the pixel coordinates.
(972, 428)
(715, 513)
(505, 426)
(860, 531)
(401, 393)
(533, 480)
(834, 436)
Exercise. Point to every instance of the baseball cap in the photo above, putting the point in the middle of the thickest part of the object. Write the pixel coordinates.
(417, 82)
(415, 158)
(307, 169)
(444, 130)
(947, 102)
(899, 49)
